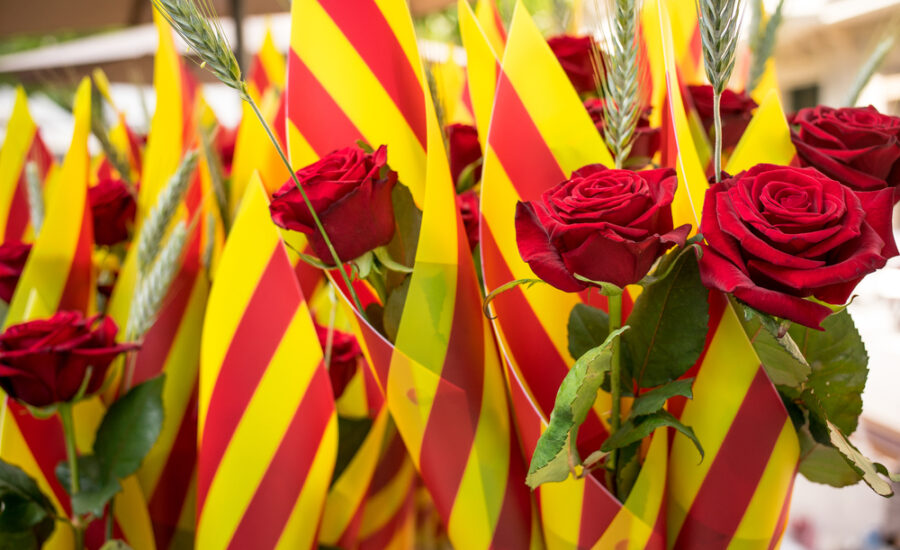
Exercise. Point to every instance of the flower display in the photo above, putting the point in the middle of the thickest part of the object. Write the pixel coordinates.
(575, 55)
(344, 359)
(646, 139)
(464, 150)
(737, 110)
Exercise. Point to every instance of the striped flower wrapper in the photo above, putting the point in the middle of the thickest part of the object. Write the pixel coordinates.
(58, 276)
(739, 495)
(540, 132)
(22, 145)
(354, 73)
(267, 423)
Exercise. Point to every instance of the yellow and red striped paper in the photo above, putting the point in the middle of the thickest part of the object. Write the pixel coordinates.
(268, 429)
(22, 144)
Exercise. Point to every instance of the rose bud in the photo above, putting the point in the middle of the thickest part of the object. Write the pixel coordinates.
(351, 193)
(46, 361)
(858, 147)
(345, 354)
(736, 108)
(464, 150)
(468, 208)
(605, 225)
(575, 54)
(646, 139)
(13, 256)
(779, 234)
(112, 209)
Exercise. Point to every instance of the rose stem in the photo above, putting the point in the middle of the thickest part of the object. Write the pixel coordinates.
(615, 387)
(312, 211)
(717, 114)
(65, 415)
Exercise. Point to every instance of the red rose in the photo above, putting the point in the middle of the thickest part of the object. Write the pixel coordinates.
(351, 192)
(46, 361)
(859, 147)
(13, 256)
(778, 234)
(736, 108)
(345, 354)
(468, 209)
(605, 225)
(575, 54)
(464, 150)
(646, 139)
(112, 209)
(226, 139)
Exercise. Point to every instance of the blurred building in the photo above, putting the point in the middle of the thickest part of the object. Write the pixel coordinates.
(823, 43)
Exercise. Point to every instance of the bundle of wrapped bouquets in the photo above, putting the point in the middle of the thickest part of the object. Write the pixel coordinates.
(588, 291)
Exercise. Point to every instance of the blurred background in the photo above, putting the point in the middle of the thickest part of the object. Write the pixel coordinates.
(48, 45)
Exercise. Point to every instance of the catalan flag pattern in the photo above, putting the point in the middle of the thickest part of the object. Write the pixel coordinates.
(23, 144)
(64, 247)
(482, 66)
(172, 345)
(529, 150)
(738, 495)
(268, 429)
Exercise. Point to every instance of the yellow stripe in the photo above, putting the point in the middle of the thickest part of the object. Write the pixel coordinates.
(561, 509)
(346, 495)
(384, 505)
(761, 517)
(481, 64)
(396, 13)
(721, 385)
(20, 133)
(486, 13)
(247, 252)
(550, 99)
(300, 151)
(253, 151)
(54, 249)
(344, 75)
(300, 530)
(272, 61)
(260, 432)
(766, 139)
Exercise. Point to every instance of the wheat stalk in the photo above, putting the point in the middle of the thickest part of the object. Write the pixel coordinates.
(199, 28)
(762, 42)
(719, 24)
(867, 70)
(35, 196)
(155, 285)
(620, 80)
(163, 211)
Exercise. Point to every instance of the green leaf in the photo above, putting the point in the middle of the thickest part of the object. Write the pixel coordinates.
(384, 256)
(781, 357)
(606, 289)
(467, 176)
(860, 463)
(393, 310)
(409, 221)
(669, 324)
(130, 428)
(655, 399)
(364, 264)
(96, 485)
(634, 430)
(628, 470)
(555, 449)
(351, 434)
(27, 517)
(882, 469)
(838, 362)
(824, 463)
(588, 327)
(503, 288)
(364, 146)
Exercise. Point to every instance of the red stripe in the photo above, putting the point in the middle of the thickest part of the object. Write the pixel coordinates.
(669, 147)
(736, 470)
(258, 334)
(258, 75)
(276, 495)
(783, 516)
(380, 350)
(598, 509)
(513, 528)
(390, 463)
(519, 146)
(383, 537)
(657, 539)
(456, 409)
(168, 499)
(46, 442)
(371, 35)
(188, 92)
(19, 213)
(317, 116)
(76, 293)
(531, 348)
(281, 120)
(498, 23)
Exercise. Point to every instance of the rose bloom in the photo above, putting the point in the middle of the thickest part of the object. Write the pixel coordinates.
(605, 225)
(575, 55)
(646, 139)
(464, 149)
(345, 354)
(112, 210)
(44, 362)
(468, 209)
(13, 256)
(736, 108)
(351, 192)
(859, 147)
(779, 234)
